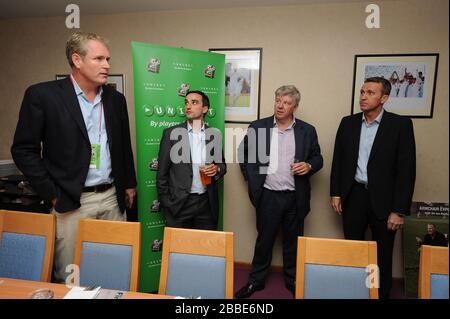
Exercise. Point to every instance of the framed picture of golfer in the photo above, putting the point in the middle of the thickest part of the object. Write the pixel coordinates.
(242, 83)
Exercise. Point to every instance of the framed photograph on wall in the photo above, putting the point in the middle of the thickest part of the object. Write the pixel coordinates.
(412, 77)
(116, 81)
(242, 83)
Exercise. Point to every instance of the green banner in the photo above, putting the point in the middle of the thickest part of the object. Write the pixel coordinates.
(162, 76)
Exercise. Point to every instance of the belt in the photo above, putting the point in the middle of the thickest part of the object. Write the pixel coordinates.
(366, 186)
(197, 194)
(285, 191)
(97, 188)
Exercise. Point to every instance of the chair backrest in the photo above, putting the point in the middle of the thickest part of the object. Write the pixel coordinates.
(433, 272)
(336, 269)
(197, 263)
(27, 242)
(108, 253)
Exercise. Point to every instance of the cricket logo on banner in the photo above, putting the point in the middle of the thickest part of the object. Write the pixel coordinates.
(162, 77)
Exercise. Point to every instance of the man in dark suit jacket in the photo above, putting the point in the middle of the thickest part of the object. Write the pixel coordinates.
(278, 156)
(188, 150)
(373, 173)
(72, 143)
(433, 237)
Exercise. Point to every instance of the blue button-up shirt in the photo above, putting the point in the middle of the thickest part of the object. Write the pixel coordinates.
(91, 114)
(368, 133)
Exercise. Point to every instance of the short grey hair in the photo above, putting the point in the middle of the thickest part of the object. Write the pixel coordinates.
(290, 90)
(77, 44)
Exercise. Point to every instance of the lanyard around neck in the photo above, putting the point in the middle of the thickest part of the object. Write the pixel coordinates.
(101, 111)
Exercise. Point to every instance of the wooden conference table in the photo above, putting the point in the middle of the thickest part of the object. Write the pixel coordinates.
(22, 289)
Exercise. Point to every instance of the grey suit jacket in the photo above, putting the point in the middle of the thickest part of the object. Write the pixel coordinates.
(174, 176)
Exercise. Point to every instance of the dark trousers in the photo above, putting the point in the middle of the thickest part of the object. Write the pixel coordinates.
(274, 210)
(195, 214)
(357, 216)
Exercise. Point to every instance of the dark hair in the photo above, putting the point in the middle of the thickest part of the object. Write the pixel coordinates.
(205, 98)
(386, 90)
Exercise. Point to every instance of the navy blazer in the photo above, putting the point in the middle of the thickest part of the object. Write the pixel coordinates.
(307, 149)
(50, 114)
(391, 168)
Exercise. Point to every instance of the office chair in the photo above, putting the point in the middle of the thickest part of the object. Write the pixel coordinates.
(197, 263)
(433, 272)
(108, 253)
(27, 243)
(336, 269)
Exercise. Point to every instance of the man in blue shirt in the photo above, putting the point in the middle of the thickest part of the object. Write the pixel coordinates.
(373, 173)
(72, 143)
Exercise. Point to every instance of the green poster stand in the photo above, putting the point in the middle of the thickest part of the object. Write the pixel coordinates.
(162, 75)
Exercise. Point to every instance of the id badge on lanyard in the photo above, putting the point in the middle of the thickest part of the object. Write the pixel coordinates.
(95, 148)
(95, 156)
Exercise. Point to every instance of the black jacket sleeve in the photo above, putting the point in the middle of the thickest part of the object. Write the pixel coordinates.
(26, 149)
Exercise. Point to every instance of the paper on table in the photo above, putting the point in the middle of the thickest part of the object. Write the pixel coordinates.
(81, 293)
(110, 294)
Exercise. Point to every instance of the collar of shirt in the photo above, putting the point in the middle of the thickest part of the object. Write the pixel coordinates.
(191, 130)
(275, 124)
(378, 118)
(79, 91)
